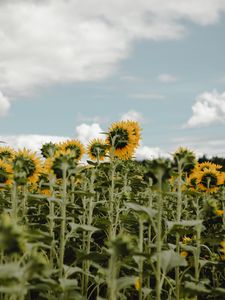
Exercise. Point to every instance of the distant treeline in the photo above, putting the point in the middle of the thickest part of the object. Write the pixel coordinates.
(215, 159)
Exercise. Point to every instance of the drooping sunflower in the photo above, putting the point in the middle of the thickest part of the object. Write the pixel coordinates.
(122, 140)
(210, 179)
(63, 161)
(49, 149)
(97, 149)
(75, 146)
(186, 158)
(26, 167)
(5, 173)
(6, 153)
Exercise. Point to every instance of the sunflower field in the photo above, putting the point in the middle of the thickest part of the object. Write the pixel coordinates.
(110, 228)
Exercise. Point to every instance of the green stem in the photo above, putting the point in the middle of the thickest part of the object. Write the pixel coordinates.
(63, 225)
(112, 232)
(179, 210)
(141, 240)
(159, 242)
(14, 202)
(112, 283)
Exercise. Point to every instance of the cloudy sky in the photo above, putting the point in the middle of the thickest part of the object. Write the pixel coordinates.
(70, 68)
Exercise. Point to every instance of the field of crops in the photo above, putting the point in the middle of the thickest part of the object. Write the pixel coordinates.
(112, 228)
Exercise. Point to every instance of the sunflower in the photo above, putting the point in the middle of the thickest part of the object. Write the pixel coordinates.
(49, 149)
(5, 173)
(63, 161)
(122, 140)
(207, 165)
(75, 146)
(186, 158)
(219, 212)
(210, 179)
(6, 153)
(26, 166)
(97, 149)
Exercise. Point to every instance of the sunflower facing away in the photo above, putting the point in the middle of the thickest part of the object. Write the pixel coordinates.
(6, 153)
(97, 149)
(26, 166)
(63, 161)
(75, 146)
(5, 173)
(123, 139)
(210, 179)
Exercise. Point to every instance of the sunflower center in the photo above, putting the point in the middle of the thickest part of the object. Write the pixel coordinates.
(120, 138)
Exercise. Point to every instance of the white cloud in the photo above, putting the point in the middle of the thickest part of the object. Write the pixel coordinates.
(167, 78)
(132, 115)
(85, 133)
(209, 108)
(145, 152)
(85, 40)
(30, 141)
(4, 104)
(148, 96)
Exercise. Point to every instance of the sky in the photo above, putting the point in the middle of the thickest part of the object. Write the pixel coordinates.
(68, 69)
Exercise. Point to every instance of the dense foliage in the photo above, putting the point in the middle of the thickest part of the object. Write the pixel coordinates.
(110, 229)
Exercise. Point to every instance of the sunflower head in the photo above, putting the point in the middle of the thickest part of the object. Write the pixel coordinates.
(210, 179)
(97, 149)
(75, 147)
(121, 140)
(207, 165)
(49, 149)
(26, 167)
(6, 153)
(185, 157)
(62, 163)
(5, 173)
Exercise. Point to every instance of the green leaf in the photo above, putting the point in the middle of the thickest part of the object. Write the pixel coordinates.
(196, 288)
(180, 226)
(75, 227)
(139, 208)
(68, 284)
(170, 260)
(71, 270)
(125, 281)
(10, 271)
